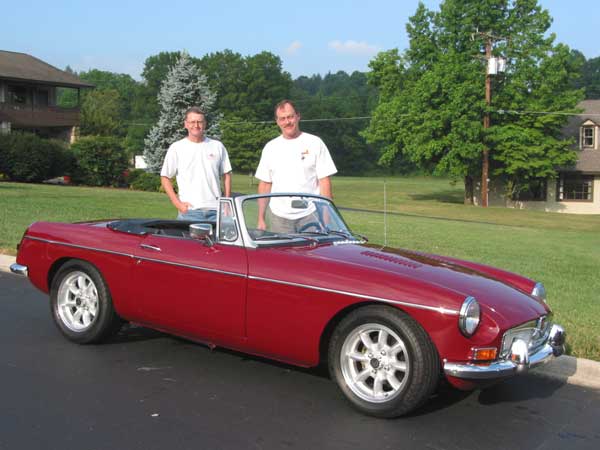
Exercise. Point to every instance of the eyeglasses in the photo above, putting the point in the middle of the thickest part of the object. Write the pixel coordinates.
(285, 118)
(195, 122)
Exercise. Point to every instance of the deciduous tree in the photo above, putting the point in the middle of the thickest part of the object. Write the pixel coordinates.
(432, 97)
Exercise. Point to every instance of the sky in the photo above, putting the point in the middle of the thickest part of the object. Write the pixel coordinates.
(310, 36)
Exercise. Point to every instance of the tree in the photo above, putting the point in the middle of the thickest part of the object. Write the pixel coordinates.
(591, 78)
(185, 86)
(246, 87)
(156, 69)
(432, 96)
(245, 140)
(335, 97)
(100, 113)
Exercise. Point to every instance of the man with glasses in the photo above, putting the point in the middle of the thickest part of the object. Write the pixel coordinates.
(293, 162)
(197, 162)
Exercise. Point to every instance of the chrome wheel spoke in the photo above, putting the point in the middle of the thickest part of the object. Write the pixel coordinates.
(399, 365)
(357, 356)
(382, 339)
(367, 341)
(393, 381)
(378, 384)
(363, 376)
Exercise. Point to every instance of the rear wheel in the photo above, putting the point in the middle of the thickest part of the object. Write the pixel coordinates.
(81, 304)
(383, 361)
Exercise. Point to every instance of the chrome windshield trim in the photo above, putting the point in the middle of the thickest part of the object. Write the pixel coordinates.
(142, 258)
(440, 310)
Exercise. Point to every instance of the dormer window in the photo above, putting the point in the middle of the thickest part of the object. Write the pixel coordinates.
(588, 137)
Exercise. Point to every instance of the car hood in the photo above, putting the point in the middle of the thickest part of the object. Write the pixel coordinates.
(498, 292)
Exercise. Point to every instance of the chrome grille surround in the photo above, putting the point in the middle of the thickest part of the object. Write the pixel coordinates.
(534, 333)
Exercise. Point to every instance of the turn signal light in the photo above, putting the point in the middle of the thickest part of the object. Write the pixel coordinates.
(484, 354)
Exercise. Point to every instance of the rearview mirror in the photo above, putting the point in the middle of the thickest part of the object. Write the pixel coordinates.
(299, 204)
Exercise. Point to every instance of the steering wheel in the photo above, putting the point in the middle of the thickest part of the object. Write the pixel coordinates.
(316, 225)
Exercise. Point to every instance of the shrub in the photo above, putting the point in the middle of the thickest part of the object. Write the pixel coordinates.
(30, 158)
(101, 161)
(145, 181)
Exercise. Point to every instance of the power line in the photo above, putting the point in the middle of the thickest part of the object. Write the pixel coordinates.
(338, 119)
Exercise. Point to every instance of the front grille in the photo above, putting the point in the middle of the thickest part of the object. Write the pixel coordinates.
(534, 333)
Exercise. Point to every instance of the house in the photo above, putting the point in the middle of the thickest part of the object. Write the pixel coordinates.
(28, 97)
(576, 189)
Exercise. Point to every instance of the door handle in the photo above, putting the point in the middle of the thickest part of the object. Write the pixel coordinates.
(151, 247)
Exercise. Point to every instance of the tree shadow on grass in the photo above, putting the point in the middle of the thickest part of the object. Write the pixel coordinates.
(446, 196)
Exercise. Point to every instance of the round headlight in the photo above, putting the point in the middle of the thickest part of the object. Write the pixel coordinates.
(469, 316)
(539, 291)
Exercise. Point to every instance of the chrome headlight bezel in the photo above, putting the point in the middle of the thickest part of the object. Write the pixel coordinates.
(539, 292)
(469, 316)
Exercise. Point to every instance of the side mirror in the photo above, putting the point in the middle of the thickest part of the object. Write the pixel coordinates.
(201, 232)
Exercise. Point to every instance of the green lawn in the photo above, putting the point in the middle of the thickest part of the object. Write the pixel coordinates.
(561, 250)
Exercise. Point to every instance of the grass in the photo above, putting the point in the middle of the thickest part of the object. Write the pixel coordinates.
(561, 250)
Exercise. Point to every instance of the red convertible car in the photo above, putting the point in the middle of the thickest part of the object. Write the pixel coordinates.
(297, 287)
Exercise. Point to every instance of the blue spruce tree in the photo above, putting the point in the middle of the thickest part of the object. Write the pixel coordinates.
(185, 86)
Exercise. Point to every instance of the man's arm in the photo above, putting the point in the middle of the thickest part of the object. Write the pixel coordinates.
(227, 184)
(168, 187)
(263, 188)
(325, 187)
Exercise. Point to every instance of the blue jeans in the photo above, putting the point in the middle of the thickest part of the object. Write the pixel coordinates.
(201, 215)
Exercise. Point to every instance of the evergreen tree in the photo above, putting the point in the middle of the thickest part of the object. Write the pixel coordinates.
(185, 86)
(432, 97)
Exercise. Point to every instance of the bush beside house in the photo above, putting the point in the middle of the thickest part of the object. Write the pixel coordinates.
(28, 158)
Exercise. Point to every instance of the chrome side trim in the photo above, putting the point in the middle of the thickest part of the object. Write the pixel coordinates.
(66, 244)
(141, 258)
(19, 269)
(440, 310)
(554, 347)
(189, 266)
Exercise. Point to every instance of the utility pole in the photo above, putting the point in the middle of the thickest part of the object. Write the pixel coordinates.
(485, 166)
(492, 67)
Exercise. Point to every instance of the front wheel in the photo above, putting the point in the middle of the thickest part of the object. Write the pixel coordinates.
(81, 304)
(383, 361)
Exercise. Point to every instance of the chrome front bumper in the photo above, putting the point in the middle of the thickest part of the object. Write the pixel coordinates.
(19, 269)
(519, 360)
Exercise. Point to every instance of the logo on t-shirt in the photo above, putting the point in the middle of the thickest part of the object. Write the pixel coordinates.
(304, 154)
(211, 156)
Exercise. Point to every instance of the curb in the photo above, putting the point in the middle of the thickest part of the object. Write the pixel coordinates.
(568, 369)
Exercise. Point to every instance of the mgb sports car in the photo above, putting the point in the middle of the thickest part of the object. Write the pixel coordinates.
(301, 288)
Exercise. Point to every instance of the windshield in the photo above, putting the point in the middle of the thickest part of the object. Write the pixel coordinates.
(283, 217)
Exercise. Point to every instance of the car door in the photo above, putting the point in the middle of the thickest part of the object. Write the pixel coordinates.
(191, 287)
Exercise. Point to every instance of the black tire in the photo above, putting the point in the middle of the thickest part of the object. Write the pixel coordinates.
(81, 304)
(388, 378)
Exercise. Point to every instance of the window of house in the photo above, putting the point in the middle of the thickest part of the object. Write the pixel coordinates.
(17, 95)
(41, 97)
(576, 187)
(534, 192)
(588, 137)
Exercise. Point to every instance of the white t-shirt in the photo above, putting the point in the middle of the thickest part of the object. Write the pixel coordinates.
(294, 165)
(198, 168)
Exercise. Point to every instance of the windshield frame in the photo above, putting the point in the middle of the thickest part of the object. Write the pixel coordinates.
(285, 239)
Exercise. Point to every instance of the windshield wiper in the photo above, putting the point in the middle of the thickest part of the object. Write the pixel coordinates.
(286, 236)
